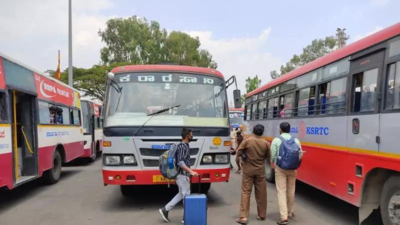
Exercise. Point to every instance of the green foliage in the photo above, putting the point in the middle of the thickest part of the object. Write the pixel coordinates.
(92, 81)
(137, 41)
(317, 49)
(251, 85)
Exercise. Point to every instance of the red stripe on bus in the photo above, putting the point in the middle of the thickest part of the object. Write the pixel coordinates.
(6, 170)
(167, 68)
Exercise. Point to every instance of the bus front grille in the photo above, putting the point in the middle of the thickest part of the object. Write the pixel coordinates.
(156, 162)
(158, 152)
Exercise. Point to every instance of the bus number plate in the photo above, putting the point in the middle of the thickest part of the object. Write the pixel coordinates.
(160, 179)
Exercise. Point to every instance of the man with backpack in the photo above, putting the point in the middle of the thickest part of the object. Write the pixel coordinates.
(182, 159)
(286, 153)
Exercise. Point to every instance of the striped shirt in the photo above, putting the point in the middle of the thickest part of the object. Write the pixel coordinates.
(183, 157)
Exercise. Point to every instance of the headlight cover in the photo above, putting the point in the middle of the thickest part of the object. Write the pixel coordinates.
(129, 160)
(207, 159)
(112, 160)
(221, 158)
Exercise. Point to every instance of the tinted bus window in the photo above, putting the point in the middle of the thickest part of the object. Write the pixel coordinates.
(306, 101)
(262, 110)
(393, 87)
(394, 48)
(273, 108)
(3, 110)
(65, 115)
(336, 69)
(19, 76)
(365, 91)
(254, 111)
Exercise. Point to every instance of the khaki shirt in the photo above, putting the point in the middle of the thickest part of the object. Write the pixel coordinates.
(257, 152)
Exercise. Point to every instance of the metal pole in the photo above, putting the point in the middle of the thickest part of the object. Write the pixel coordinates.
(70, 75)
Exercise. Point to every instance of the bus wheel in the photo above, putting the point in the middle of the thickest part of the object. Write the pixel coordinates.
(53, 175)
(126, 190)
(205, 187)
(269, 173)
(390, 201)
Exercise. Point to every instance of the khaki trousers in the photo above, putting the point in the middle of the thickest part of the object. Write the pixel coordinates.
(285, 181)
(260, 187)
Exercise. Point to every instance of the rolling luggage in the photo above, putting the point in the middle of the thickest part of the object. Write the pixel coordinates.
(195, 208)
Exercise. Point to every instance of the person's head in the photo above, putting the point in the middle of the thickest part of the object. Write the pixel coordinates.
(187, 135)
(238, 133)
(258, 130)
(284, 127)
(237, 129)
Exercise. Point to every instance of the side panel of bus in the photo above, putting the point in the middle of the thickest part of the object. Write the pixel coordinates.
(6, 158)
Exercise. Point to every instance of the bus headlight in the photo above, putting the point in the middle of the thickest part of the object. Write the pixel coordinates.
(112, 160)
(221, 158)
(129, 159)
(207, 159)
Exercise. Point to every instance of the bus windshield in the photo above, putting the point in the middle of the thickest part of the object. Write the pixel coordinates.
(201, 99)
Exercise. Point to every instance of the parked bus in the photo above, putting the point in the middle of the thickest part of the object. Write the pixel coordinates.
(345, 109)
(40, 125)
(92, 124)
(236, 117)
(146, 108)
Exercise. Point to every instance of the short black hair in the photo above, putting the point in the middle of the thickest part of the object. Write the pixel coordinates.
(285, 127)
(185, 132)
(258, 130)
(236, 128)
(238, 133)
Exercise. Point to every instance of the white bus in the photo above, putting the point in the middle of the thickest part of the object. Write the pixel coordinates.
(40, 125)
(92, 123)
(145, 110)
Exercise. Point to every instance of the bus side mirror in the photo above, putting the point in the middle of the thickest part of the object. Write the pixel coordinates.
(237, 98)
(110, 76)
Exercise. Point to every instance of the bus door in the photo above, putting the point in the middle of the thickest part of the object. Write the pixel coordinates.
(24, 128)
(363, 120)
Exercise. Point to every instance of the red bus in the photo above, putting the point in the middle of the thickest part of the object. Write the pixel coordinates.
(40, 125)
(345, 109)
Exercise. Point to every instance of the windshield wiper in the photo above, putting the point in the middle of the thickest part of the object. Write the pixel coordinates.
(155, 114)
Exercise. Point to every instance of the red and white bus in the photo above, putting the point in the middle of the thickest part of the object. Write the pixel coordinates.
(92, 124)
(40, 125)
(236, 117)
(345, 109)
(184, 96)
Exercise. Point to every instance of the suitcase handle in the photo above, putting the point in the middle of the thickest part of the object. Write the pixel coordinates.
(199, 183)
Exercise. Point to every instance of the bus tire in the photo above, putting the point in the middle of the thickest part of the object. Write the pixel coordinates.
(52, 175)
(126, 190)
(205, 187)
(390, 201)
(269, 173)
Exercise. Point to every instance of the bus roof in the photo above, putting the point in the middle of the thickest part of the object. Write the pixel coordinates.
(168, 68)
(36, 71)
(357, 46)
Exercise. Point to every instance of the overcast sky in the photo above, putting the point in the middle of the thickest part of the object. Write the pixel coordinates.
(244, 37)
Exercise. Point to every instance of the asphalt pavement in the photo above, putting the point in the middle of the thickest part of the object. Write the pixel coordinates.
(80, 198)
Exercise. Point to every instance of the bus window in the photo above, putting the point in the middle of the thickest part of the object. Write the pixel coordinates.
(273, 108)
(247, 112)
(75, 117)
(393, 88)
(44, 116)
(365, 91)
(3, 111)
(394, 48)
(286, 105)
(306, 102)
(65, 115)
(332, 97)
(254, 110)
(262, 110)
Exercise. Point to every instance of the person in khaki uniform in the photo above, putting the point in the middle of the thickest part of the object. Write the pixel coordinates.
(285, 180)
(255, 152)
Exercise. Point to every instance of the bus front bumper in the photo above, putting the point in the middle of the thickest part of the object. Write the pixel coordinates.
(154, 177)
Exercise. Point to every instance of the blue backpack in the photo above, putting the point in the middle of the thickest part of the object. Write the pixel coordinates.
(168, 166)
(289, 154)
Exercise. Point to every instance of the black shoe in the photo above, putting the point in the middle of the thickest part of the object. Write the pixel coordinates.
(164, 214)
(282, 222)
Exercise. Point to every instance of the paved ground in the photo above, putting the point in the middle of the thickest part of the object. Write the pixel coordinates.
(81, 199)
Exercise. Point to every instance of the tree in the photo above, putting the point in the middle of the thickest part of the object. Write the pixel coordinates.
(137, 41)
(251, 85)
(317, 48)
(91, 81)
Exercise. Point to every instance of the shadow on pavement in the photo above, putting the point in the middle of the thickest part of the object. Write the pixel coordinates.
(23, 193)
(150, 198)
(82, 162)
(336, 208)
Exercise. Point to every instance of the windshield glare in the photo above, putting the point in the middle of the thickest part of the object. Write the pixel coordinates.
(201, 98)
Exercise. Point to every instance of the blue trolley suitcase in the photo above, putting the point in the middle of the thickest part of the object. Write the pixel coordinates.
(195, 207)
